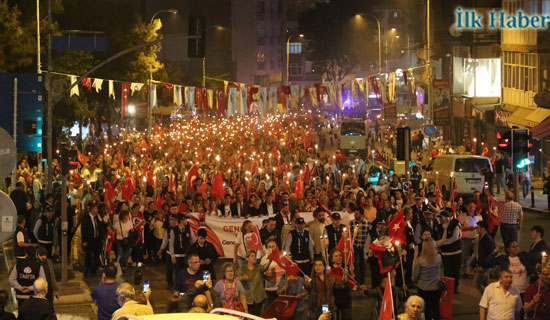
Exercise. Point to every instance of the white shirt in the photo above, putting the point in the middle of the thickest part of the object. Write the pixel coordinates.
(500, 305)
(519, 274)
(123, 229)
(468, 221)
(93, 224)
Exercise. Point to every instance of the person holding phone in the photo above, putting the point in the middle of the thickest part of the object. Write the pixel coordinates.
(320, 290)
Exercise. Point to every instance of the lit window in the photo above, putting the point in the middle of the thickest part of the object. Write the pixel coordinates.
(261, 57)
(295, 48)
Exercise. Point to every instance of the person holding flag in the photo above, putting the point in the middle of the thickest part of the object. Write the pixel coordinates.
(343, 284)
(376, 235)
(251, 276)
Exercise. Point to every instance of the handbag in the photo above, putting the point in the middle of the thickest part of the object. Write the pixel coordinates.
(129, 240)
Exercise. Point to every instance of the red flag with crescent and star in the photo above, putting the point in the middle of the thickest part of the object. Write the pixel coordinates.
(397, 228)
(282, 308)
(255, 242)
(284, 262)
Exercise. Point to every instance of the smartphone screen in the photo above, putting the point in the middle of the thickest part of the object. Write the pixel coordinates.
(145, 286)
(325, 308)
(205, 276)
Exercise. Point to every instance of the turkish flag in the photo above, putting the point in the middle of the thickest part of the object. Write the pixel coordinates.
(205, 100)
(345, 245)
(191, 177)
(386, 310)
(255, 242)
(82, 158)
(397, 228)
(221, 102)
(158, 203)
(128, 188)
(144, 145)
(198, 98)
(282, 308)
(108, 189)
(284, 262)
(109, 241)
(202, 189)
(217, 186)
(298, 189)
(139, 229)
(338, 275)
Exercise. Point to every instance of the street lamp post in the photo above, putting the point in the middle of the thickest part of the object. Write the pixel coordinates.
(288, 55)
(379, 39)
(150, 107)
(217, 27)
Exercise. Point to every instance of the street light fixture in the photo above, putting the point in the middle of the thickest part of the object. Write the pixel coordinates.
(379, 38)
(172, 11)
(288, 54)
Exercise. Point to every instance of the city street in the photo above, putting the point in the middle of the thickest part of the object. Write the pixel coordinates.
(332, 138)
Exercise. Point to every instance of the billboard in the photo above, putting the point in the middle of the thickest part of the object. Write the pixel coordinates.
(29, 109)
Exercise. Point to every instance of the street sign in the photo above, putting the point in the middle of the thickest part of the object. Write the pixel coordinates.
(429, 130)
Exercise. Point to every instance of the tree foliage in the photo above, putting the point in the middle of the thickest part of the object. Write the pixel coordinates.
(16, 47)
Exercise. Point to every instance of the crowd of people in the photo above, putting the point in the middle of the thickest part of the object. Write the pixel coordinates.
(130, 202)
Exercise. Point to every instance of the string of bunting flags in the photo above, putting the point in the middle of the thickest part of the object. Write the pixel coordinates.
(240, 99)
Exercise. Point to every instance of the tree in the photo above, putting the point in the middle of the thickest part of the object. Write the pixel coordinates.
(144, 62)
(16, 47)
(338, 41)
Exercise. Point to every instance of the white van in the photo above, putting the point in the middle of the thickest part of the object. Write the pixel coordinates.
(353, 138)
(465, 169)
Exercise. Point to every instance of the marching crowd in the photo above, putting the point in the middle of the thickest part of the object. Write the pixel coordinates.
(131, 199)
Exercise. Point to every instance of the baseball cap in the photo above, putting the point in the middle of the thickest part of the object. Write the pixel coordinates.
(417, 198)
(336, 216)
(300, 221)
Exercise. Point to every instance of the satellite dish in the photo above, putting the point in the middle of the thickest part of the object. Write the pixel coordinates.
(8, 154)
(542, 99)
(8, 216)
(454, 31)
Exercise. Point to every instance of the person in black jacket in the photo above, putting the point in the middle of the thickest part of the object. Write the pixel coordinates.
(206, 251)
(484, 258)
(23, 275)
(91, 241)
(20, 199)
(451, 246)
(37, 306)
(538, 246)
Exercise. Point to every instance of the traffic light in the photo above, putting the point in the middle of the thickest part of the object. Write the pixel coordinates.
(520, 149)
(69, 160)
(403, 144)
(196, 48)
(504, 139)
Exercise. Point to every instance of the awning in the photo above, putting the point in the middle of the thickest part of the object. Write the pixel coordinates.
(542, 130)
(518, 118)
(538, 115)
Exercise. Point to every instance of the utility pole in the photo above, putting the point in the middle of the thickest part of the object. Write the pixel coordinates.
(14, 171)
(38, 62)
(50, 104)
